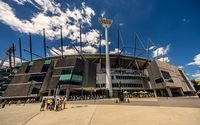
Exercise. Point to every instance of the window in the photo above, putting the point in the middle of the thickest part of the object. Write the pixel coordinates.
(127, 85)
(100, 85)
(37, 78)
(185, 79)
(71, 76)
(45, 68)
(159, 80)
(166, 76)
(66, 71)
(28, 69)
(36, 89)
(128, 77)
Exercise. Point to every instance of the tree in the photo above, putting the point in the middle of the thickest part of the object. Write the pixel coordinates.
(196, 84)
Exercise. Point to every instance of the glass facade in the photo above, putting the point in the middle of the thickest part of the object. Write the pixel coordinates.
(47, 62)
(71, 76)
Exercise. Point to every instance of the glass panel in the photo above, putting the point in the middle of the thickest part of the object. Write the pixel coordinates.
(36, 89)
(77, 78)
(31, 63)
(66, 71)
(47, 62)
(18, 65)
(65, 77)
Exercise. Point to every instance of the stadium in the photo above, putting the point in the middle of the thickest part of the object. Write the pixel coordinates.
(77, 75)
(81, 74)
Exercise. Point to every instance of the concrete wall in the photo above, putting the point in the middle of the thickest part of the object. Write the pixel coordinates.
(154, 71)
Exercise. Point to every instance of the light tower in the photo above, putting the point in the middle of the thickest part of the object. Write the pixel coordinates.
(106, 24)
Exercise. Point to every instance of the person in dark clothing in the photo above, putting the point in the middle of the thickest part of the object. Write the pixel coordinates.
(42, 105)
(52, 104)
(4, 104)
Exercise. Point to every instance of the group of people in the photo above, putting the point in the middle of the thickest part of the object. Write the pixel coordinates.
(54, 103)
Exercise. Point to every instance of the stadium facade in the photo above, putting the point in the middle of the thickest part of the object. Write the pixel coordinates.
(76, 75)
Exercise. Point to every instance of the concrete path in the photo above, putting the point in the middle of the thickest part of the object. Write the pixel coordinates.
(18, 115)
(119, 115)
(100, 115)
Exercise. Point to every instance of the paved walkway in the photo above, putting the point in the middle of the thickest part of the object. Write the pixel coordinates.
(18, 115)
(81, 114)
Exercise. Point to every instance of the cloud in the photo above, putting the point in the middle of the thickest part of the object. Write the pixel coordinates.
(160, 51)
(51, 17)
(6, 62)
(196, 75)
(103, 13)
(121, 24)
(181, 67)
(103, 42)
(89, 49)
(164, 59)
(196, 61)
(67, 50)
(115, 51)
(151, 47)
(69, 19)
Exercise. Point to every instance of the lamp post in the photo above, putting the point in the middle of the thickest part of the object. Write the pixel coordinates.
(106, 23)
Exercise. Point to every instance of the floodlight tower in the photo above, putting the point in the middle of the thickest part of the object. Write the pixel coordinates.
(106, 23)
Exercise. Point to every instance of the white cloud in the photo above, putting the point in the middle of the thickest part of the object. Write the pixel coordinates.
(103, 42)
(92, 37)
(121, 24)
(89, 49)
(196, 61)
(103, 13)
(66, 51)
(71, 51)
(6, 62)
(161, 51)
(151, 47)
(181, 67)
(196, 76)
(69, 19)
(21, 2)
(164, 59)
(115, 51)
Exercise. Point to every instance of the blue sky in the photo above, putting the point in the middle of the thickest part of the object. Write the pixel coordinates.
(172, 25)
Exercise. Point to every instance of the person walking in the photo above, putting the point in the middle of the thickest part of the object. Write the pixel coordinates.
(52, 104)
(64, 102)
(10, 102)
(57, 104)
(48, 104)
(4, 104)
(42, 105)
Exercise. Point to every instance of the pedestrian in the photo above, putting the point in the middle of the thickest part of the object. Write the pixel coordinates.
(4, 104)
(52, 104)
(48, 103)
(18, 102)
(28, 100)
(10, 102)
(57, 104)
(42, 105)
(64, 102)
